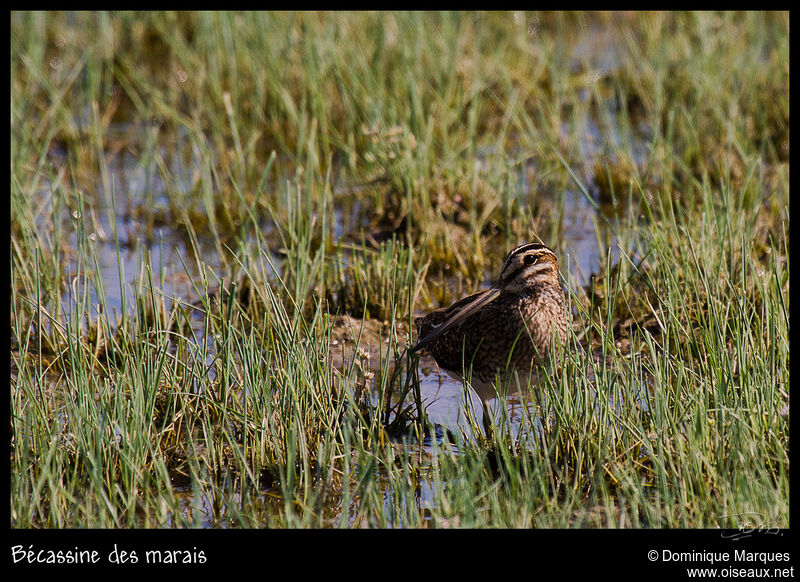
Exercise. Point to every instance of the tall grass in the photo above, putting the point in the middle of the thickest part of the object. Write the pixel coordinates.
(313, 169)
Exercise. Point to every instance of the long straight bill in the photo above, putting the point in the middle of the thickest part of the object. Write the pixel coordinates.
(490, 295)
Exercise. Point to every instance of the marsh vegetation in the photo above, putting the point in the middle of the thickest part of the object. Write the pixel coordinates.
(222, 225)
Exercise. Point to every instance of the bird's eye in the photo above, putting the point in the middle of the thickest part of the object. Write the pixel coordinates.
(530, 259)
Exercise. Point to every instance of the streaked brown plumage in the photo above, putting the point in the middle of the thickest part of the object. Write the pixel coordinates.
(507, 327)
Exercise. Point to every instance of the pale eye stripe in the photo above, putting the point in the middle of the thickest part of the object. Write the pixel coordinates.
(523, 248)
(531, 269)
(520, 248)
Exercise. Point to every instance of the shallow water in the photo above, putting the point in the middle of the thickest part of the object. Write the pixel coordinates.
(125, 244)
(171, 257)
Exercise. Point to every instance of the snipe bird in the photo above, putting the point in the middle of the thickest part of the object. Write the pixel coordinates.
(508, 327)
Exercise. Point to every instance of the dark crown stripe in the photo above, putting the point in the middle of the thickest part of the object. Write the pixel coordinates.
(524, 248)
